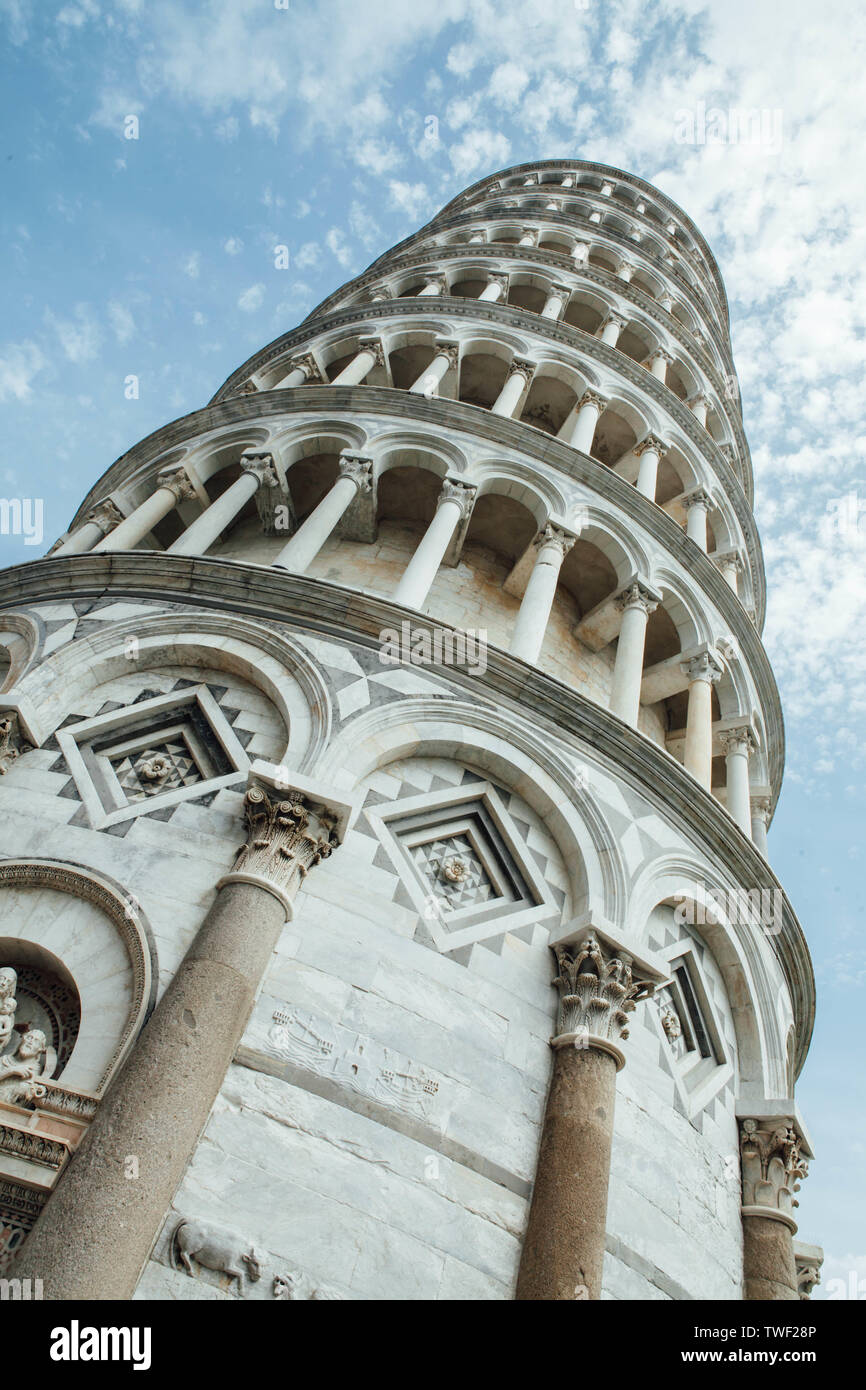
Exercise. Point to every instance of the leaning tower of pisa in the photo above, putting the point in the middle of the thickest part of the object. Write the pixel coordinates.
(389, 748)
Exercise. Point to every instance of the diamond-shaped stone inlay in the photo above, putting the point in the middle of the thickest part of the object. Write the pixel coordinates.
(157, 769)
(454, 872)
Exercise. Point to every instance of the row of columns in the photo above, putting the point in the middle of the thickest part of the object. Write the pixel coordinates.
(173, 1075)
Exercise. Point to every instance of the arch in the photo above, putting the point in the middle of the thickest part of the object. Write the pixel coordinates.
(93, 1061)
(514, 756)
(271, 661)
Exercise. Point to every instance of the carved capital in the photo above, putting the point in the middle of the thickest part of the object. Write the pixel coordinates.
(106, 515)
(699, 400)
(772, 1166)
(521, 365)
(562, 291)
(762, 808)
(554, 535)
(307, 364)
(13, 740)
(652, 442)
(697, 498)
(597, 993)
(287, 835)
(447, 348)
(246, 388)
(374, 346)
(497, 277)
(177, 480)
(359, 469)
(738, 741)
(729, 560)
(637, 595)
(703, 668)
(593, 398)
(455, 490)
(531, 233)
(439, 281)
(260, 462)
(663, 354)
(379, 293)
(808, 1260)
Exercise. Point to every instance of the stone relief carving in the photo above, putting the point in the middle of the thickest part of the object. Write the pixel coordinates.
(213, 1247)
(21, 1072)
(8, 1004)
(12, 740)
(596, 990)
(295, 1287)
(771, 1165)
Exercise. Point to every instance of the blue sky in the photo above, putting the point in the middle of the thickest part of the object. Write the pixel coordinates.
(305, 123)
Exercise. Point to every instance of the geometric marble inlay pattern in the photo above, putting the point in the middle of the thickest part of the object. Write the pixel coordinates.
(156, 769)
(454, 872)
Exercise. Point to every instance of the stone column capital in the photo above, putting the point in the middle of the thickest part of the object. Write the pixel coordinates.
(307, 364)
(772, 1167)
(359, 469)
(106, 515)
(498, 277)
(456, 490)
(698, 497)
(373, 345)
(741, 740)
(728, 560)
(381, 292)
(446, 347)
(651, 442)
(437, 279)
(700, 399)
(246, 388)
(521, 365)
(260, 464)
(593, 398)
(291, 827)
(531, 232)
(619, 319)
(808, 1260)
(563, 291)
(703, 667)
(13, 739)
(762, 807)
(599, 985)
(663, 353)
(178, 481)
(551, 534)
(638, 594)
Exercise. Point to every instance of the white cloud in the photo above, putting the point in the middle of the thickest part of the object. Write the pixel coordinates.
(233, 246)
(79, 337)
(121, 320)
(376, 156)
(252, 298)
(363, 225)
(411, 198)
(479, 150)
(336, 244)
(19, 364)
(308, 255)
(192, 265)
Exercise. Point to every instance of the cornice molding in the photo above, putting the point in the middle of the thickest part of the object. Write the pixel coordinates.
(333, 610)
(548, 330)
(474, 420)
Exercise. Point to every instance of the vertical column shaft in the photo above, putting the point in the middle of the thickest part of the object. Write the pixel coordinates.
(305, 544)
(702, 672)
(454, 500)
(519, 373)
(637, 602)
(528, 637)
(149, 513)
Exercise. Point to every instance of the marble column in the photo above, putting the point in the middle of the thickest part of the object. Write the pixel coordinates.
(552, 545)
(477, 238)
(96, 1232)
(380, 294)
(625, 271)
(772, 1168)
(578, 428)
(611, 329)
(699, 405)
(739, 745)
(730, 566)
(174, 487)
(453, 506)
(650, 452)
(697, 505)
(580, 253)
(636, 602)
(428, 383)
(659, 363)
(529, 237)
(496, 289)
(370, 354)
(519, 375)
(302, 370)
(762, 809)
(100, 520)
(595, 218)
(563, 1250)
(555, 302)
(703, 672)
(355, 474)
(257, 470)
